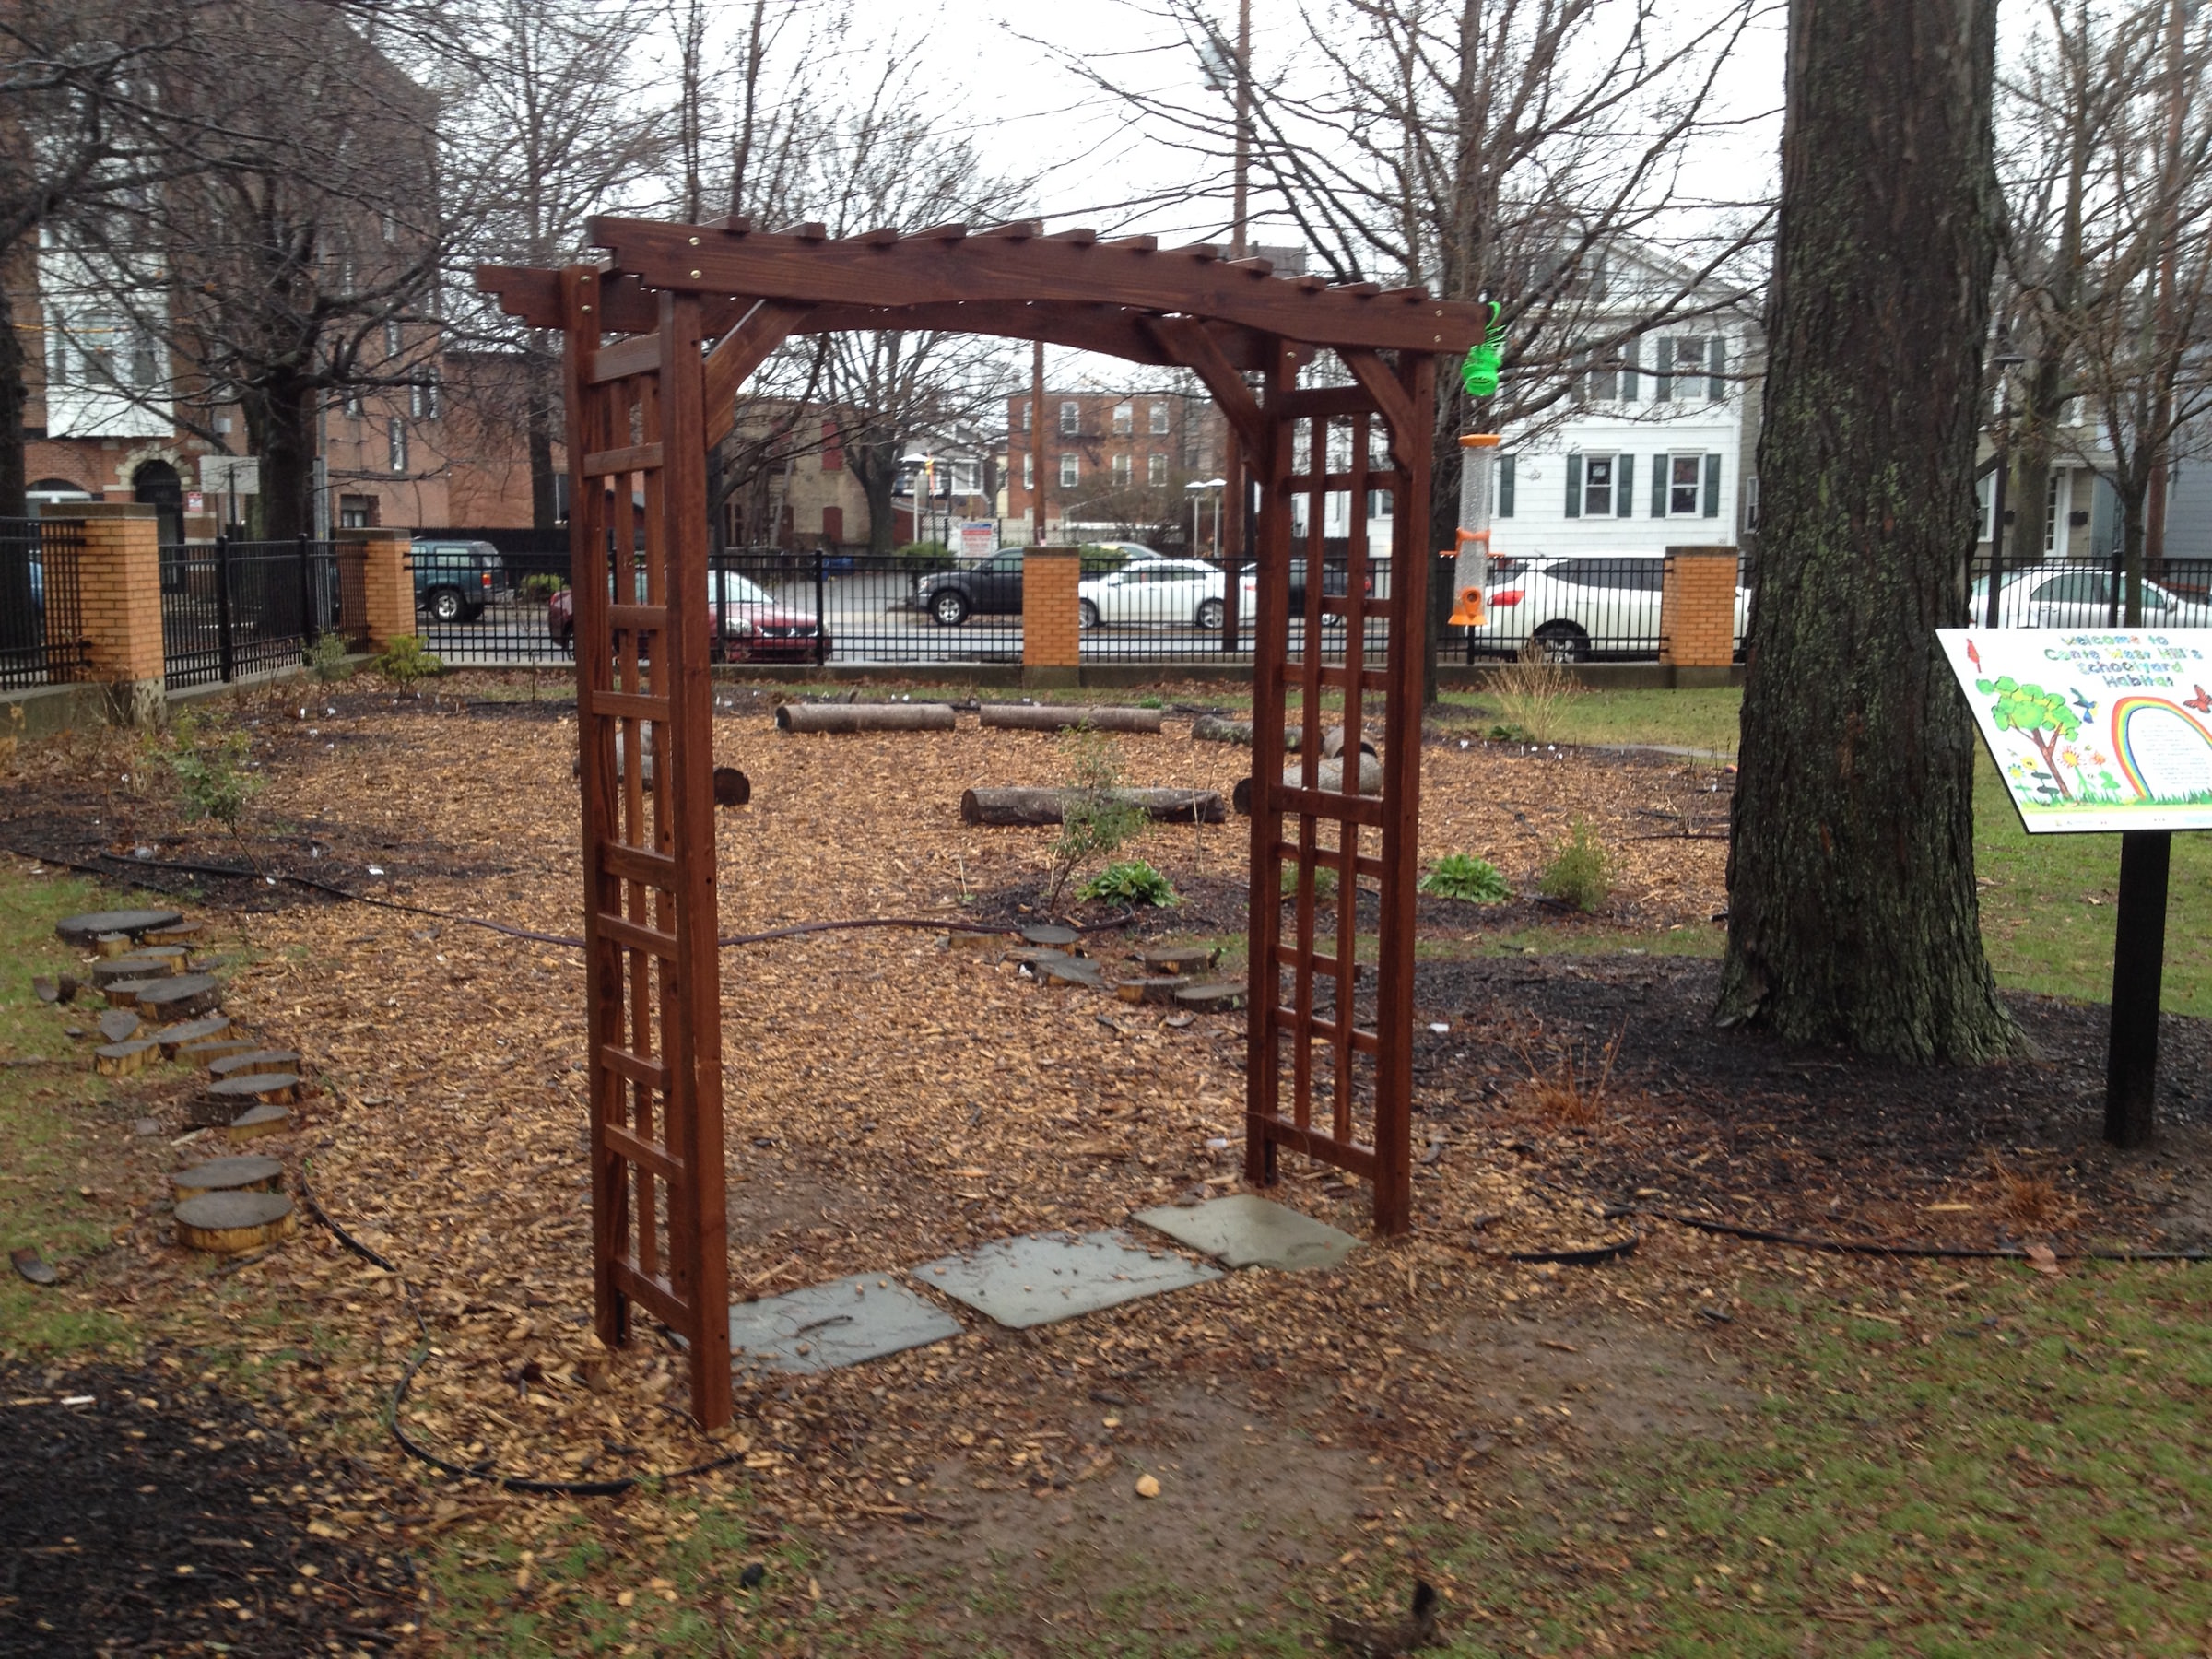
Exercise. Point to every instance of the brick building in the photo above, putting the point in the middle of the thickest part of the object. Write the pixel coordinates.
(1114, 462)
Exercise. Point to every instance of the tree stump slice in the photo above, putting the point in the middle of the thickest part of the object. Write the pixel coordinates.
(139, 964)
(1213, 728)
(1060, 717)
(83, 929)
(1039, 956)
(113, 945)
(1180, 958)
(1072, 971)
(124, 993)
(122, 1059)
(240, 1175)
(214, 1048)
(267, 1086)
(865, 717)
(118, 1025)
(174, 1038)
(226, 1223)
(1215, 997)
(201, 1111)
(252, 1063)
(179, 996)
(1057, 935)
(176, 933)
(731, 787)
(974, 944)
(1155, 990)
(257, 1121)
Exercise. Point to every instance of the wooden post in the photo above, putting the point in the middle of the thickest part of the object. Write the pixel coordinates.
(2130, 1063)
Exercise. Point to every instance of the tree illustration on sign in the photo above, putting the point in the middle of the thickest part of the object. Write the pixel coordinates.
(2041, 716)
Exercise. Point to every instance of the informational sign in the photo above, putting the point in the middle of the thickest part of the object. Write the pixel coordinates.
(979, 538)
(2102, 731)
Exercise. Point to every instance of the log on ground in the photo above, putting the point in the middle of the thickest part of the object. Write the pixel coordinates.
(1059, 717)
(226, 1223)
(865, 717)
(1004, 806)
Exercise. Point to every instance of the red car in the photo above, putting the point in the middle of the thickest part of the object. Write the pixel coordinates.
(749, 627)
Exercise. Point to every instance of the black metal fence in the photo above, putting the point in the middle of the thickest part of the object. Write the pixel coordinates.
(41, 613)
(1579, 609)
(2082, 593)
(232, 608)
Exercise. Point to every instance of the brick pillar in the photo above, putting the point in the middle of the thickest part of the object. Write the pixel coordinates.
(117, 546)
(1697, 607)
(376, 586)
(1052, 634)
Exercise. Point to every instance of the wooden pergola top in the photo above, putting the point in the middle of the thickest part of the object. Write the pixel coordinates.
(1068, 287)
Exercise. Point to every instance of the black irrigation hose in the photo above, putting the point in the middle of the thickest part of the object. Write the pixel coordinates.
(1915, 1251)
(413, 1448)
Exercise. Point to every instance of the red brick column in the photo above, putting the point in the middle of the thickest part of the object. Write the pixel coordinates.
(376, 584)
(1052, 633)
(117, 548)
(1697, 607)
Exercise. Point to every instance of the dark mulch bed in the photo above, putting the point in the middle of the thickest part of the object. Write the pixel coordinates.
(1731, 1123)
(164, 1517)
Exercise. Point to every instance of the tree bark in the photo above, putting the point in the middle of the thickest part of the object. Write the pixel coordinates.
(865, 717)
(1852, 916)
(1002, 806)
(281, 423)
(537, 419)
(15, 401)
(1053, 717)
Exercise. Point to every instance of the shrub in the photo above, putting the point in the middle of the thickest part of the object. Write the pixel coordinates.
(1096, 821)
(1580, 873)
(405, 661)
(208, 761)
(1529, 692)
(326, 659)
(1463, 876)
(543, 585)
(1324, 880)
(1131, 881)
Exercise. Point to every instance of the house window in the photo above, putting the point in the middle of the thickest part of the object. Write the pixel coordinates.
(391, 340)
(356, 512)
(1597, 486)
(1071, 420)
(834, 448)
(1156, 467)
(1608, 374)
(395, 432)
(1160, 418)
(1121, 471)
(1124, 419)
(1505, 486)
(1029, 412)
(1751, 502)
(1028, 469)
(833, 525)
(1071, 469)
(1685, 480)
(1685, 363)
(415, 399)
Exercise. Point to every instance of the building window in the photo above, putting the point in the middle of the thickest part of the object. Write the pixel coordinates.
(1751, 502)
(1071, 420)
(353, 401)
(1597, 486)
(833, 449)
(430, 397)
(355, 511)
(396, 434)
(1505, 486)
(1029, 411)
(415, 399)
(1160, 418)
(1071, 470)
(1685, 478)
(1156, 467)
(1028, 469)
(1125, 416)
(391, 340)
(1122, 473)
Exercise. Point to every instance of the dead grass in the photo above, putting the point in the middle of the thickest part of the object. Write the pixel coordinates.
(1572, 1090)
(1530, 692)
(2027, 1200)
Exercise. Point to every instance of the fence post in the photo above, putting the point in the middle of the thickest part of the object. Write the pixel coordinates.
(1052, 630)
(225, 652)
(1697, 607)
(307, 598)
(822, 637)
(118, 556)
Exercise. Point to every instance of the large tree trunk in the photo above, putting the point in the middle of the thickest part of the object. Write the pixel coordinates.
(1851, 910)
(878, 463)
(14, 399)
(537, 421)
(280, 422)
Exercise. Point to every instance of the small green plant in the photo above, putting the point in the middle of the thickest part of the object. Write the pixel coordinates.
(1464, 875)
(405, 661)
(208, 761)
(1130, 881)
(326, 660)
(1324, 880)
(1580, 872)
(543, 585)
(1095, 819)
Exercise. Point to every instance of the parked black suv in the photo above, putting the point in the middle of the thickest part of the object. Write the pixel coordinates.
(989, 587)
(455, 580)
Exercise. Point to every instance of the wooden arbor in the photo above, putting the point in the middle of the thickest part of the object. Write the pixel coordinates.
(658, 345)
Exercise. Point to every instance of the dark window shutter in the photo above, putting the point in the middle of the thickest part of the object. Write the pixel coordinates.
(1713, 487)
(1659, 482)
(1624, 485)
(1717, 368)
(1629, 355)
(1574, 486)
(1505, 486)
(1662, 358)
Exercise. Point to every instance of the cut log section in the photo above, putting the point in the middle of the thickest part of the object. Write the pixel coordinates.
(1037, 956)
(1217, 997)
(253, 1062)
(226, 1223)
(865, 717)
(731, 787)
(242, 1174)
(1001, 807)
(113, 945)
(1061, 717)
(118, 1025)
(180, 997)
(1158, 989)
(1058, 936)
(214, 1048)
(1072, 971)
(176, 933)
(124, 993)
(267, 1086)
(83, 929)
(122, 1059)
(257, 1121)
(1330, 778)
(139, 964)
(1180, 958)
(173, 1038)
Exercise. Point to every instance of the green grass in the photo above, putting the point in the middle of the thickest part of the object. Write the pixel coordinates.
(1699, 720)
(2032, 1479)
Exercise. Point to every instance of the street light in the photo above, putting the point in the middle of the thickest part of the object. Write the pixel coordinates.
(1217, 486)
(2004, 362)
(920, 476)
(1198, 489)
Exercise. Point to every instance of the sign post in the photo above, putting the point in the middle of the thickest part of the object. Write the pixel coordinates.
(2098, 731)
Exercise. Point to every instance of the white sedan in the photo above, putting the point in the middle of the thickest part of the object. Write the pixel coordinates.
(1576, 608)
(1155, 591)
(2078, 597)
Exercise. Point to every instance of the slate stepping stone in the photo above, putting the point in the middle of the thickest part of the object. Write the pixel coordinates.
(253, 1061)
(122, 1059)
(174, 1038)
(139, 964)
(258, 1120)
(1056, 935)
(226, 1223)
(1180, 958)
(824, 1328)
(244, 1173)
(118, 1025)
(1246, 1231)
(1043, 1278)
(278, 1085)
(1074, 970)
(83, 929)
(180, 997)
(1217, 997)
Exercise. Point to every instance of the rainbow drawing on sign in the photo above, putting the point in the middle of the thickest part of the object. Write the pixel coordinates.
(2165, 753)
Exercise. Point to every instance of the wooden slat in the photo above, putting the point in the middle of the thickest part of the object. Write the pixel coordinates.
(638, 355)
(1331, 966)
(1409, 433)
(638, 619)
(638, 1069)
(636, 936)
(637, 864)
(1306, 483)
(1321, 401)
(627, 705)
(743, 349)
(1363, 810)
(1188, 342)
(659, 1297)
(635, 457)
(1370, 679)
(645, 1154)
(1354, 1159)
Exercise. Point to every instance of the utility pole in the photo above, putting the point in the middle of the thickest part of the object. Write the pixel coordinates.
(2154, 507)
(1240, 206)
(1036, 443)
